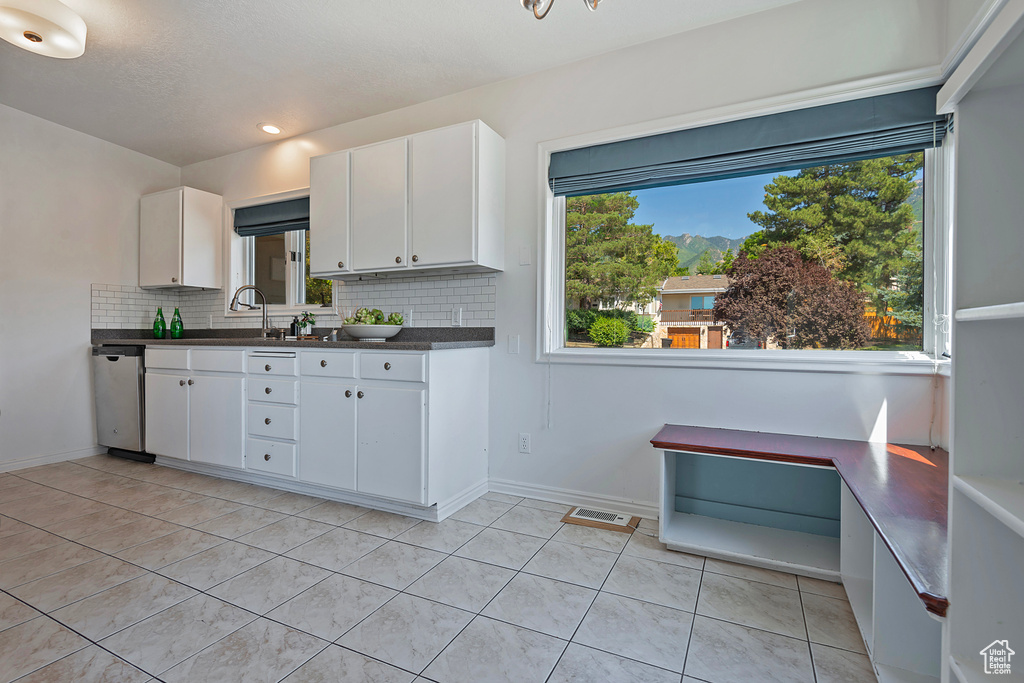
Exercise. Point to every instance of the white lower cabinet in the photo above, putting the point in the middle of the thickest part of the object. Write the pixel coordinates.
(167, 415)
(328, 433)
(390, 431)
(192, 415)
(216, 422)
(405, 427)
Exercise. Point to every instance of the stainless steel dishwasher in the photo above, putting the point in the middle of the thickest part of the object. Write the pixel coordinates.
(119, 376)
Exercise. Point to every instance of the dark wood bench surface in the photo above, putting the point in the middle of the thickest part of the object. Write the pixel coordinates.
(902, 489)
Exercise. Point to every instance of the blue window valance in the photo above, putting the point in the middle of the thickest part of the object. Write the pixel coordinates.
(884, 125)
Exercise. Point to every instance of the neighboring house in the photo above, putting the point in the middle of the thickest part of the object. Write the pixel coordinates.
(687, 319)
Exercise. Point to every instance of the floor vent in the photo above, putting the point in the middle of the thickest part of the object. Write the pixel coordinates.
(601, 519)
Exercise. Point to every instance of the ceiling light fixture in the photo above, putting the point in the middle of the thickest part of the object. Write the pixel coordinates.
(269, 128)
(536, 5)
(46, 27)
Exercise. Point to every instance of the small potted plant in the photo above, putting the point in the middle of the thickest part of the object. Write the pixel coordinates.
(307, 319)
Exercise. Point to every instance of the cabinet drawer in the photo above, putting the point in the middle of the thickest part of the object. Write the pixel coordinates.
(218, 360)
(168, 359)
(276, 422)
(402, 367)
(271, 457)
(264, 365)
(328, 364)
(273, 390)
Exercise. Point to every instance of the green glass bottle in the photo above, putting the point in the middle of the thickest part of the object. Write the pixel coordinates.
(159, 326)
(177, 330)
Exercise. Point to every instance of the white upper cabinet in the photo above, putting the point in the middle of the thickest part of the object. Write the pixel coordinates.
(180, 238)
(430, 201)
(329, 204)
(380, 216)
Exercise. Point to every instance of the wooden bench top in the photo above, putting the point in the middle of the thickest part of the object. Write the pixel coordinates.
(903, 490)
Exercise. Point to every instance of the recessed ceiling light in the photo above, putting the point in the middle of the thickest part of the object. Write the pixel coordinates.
(269, 128)
(46, 27)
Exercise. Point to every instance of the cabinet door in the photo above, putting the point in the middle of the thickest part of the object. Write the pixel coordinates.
(390, 427)
(327, 434)
(443, 180)
(201, 219)
(216, 420)
(167, 415)
(379, 206)
(160, 239)
(328, 213)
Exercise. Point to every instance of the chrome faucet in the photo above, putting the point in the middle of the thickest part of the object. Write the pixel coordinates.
(266, 332)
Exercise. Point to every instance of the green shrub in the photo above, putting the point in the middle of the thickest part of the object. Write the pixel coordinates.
(644, 324)
(578, 321)
(607, 331)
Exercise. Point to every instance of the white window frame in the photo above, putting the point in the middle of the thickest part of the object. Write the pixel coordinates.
(239, 257)
(938, 214)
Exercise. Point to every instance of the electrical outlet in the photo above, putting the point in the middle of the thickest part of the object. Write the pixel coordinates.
(456, 317)
(513, 343)
(524, 442)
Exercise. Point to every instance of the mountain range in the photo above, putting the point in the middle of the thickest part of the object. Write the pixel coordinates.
(692, 246)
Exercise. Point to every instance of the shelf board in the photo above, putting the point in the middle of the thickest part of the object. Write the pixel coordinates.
(1002, 498)
(997, 312)
(780, 549)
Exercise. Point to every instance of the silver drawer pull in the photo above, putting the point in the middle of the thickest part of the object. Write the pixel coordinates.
(267, 368)
(387, 366)
(348, 393)
(268, 390)
(181, 382)
(190, 382)
(266, 421)
(174, 279)
(323, 364)
(341, 264)
(266, 456)
(398, 259)
(359, 395)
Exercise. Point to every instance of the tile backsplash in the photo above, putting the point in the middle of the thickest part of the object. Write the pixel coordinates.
(425, 301)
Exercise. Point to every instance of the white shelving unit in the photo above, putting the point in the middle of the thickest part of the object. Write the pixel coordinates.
(986, 522)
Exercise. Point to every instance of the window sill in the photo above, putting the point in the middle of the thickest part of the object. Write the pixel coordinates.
(847, 362)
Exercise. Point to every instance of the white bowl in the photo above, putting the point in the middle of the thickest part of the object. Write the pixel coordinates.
(372, 332)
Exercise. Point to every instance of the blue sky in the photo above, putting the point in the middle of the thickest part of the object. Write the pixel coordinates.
(714, 208)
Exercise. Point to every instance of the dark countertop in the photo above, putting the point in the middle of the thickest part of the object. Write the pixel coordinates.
(903, 490)
(409, 339)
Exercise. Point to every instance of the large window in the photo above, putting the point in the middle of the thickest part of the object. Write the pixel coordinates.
(823, 257)
(823, 228)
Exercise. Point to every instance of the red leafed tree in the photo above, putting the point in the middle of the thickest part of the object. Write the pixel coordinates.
(798, 304)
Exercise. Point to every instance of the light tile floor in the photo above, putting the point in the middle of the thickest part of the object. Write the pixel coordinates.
(116, 571)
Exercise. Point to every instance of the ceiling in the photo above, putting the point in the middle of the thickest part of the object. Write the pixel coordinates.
(188, 80)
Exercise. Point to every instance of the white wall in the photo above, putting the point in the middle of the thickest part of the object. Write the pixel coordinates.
(69, 207)
(602, 417)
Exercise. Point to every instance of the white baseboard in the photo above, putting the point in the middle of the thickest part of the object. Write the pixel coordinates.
(553, 494)
(460, 500)
(49, 458)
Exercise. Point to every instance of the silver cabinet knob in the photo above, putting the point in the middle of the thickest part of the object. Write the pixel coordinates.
(181, 382)
(398, 259)
(415, 258)
(190, 382)
(323, 364)
(387, 366)
(267, 368)
(268, 390)
(266, 456)
(359, 395)
(266, 420)
(348, 393)
(174, 279)
(341, 264)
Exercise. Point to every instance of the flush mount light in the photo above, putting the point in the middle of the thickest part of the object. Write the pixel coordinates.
(536, 6)
(269, 128)
(46, 27)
